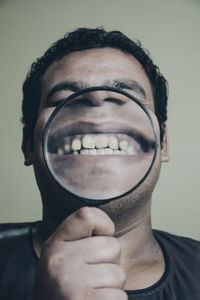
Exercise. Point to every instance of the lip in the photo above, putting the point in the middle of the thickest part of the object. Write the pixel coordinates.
(100, 127)
(93, 126)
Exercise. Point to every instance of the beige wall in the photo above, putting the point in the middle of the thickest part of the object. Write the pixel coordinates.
(170, 30)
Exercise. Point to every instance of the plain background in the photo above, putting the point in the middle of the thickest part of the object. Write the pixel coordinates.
(170, 30)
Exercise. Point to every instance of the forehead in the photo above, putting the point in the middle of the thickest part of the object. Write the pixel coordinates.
(95, 67)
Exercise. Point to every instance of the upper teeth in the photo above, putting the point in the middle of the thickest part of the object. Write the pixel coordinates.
(123, 145)
(98, 144)
(101, 141)
(87, 142)
(76, 145)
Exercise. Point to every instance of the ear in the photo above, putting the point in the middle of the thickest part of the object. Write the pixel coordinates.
(165, 144)
(27, 147)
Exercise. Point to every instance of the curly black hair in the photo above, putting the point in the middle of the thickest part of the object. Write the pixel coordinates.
(83, 39)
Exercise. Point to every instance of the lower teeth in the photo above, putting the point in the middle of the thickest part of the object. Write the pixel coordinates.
(106, 151)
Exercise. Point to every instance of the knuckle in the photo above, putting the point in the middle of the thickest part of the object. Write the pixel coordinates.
(115, 275)
(110, 246)
(86, 214)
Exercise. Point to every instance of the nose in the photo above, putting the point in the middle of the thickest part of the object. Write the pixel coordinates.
(98, 98)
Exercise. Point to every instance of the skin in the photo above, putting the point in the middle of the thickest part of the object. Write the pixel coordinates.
(110, 248)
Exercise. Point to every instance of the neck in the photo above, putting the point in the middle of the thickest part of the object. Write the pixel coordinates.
(141, 256)
(137, 242)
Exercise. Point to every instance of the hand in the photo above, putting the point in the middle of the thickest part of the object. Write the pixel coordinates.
(81, 260)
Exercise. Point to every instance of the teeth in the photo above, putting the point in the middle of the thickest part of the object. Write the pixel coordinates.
(84, 151)
(88, 142)
(122, 152)
(108, 151)
(113, 143)
(101, 141)
(67, 148)
(116, 152)
(92, 151)
(60, 151)
(123, 145)
(98, 144)
(100, 151)
(130, 150)
(76, 144)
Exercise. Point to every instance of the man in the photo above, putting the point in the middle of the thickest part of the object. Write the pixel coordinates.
(80, 252)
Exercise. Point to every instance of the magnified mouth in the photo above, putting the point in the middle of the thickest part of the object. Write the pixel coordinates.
(93, 138)
(99, 160)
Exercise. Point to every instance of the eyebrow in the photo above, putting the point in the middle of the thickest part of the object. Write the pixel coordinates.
(76, 86)
(73, 86)
(128, 85)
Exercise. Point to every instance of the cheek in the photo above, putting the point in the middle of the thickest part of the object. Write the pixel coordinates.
(42, 174)
(38, 134)
(42, 120)
(156, 127)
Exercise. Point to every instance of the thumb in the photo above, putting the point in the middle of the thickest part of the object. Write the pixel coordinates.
(85, 222)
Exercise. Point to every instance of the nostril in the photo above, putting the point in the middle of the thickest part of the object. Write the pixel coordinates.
(98, 98)
(114, 100)
(95, 98)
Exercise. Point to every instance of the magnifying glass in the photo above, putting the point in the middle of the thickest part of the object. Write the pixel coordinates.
(100, 144)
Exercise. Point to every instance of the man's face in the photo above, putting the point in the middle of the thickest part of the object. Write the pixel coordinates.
(83, 69)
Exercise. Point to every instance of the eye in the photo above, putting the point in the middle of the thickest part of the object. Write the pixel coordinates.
(58, 97)
(56, 103)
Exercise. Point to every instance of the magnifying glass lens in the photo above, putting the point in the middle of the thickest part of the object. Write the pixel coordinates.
(100, 144)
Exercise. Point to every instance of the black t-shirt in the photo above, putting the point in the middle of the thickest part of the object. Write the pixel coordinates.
(180, 281)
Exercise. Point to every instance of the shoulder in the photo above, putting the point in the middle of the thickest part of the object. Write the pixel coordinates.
(177, 241)
(18, 261)
(14, 237)
(16, 244)
(180, 250)
(182, 261)
(12, 230)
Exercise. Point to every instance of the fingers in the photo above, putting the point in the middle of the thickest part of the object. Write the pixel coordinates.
(85, 222)
(81, 260)
(100, 249)
(106, 276)
(93, 250)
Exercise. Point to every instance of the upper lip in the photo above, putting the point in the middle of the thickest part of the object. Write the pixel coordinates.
(93, 126)
(101, 126)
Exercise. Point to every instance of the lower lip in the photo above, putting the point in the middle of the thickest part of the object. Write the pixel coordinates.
(78, 161)
(99, 177)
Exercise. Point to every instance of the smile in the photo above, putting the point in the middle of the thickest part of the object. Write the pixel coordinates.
(97, 144)
(101, 140)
